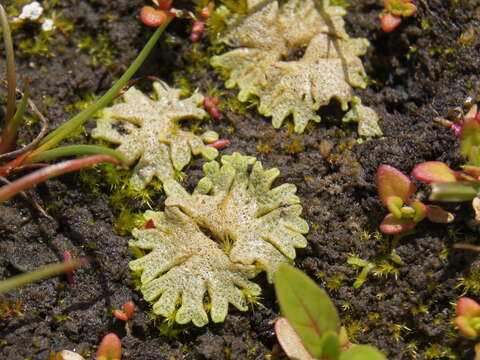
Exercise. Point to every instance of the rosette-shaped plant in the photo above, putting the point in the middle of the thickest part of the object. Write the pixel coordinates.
(148, 129)
(213, 241)
(295, 58)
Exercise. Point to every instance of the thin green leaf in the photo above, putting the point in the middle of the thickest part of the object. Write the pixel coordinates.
(306, 306)
(77, 150)
(63, 131)
(362, 352)
(11, 76)
(9, 135)
(39, 274)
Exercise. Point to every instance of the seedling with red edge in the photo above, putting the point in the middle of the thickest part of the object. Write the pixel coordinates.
(126, 314)
(395, 190)
(110, 348)
(454, 186)
(394, 12)
(468, 317)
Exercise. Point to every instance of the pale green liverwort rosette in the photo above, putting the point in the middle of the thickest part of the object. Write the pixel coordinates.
(251, 228)
(265, 62)
(148, 130)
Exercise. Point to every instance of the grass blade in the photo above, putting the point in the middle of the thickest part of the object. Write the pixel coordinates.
(11, 76)
(9, 135)
(63, 131)
(42, 273)
(77, 150)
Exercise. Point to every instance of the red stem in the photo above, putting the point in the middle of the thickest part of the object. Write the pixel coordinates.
(48, 172)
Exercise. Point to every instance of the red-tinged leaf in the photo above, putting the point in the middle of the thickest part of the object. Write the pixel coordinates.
(467, 307)
(120, 315)
(420, 210)
(389, 22)
(463, 324)
(290, 341)
(391, 182)
(165, 4)
(220, 143)
(129, 309)
(67, 257)
(110, 348)
(434, 171)
(48, 172)
(306, 306)
(472, 170)
(153, 17)
(362, 352)
(391, 225)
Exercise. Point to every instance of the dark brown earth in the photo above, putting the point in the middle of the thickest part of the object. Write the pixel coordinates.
(420, 71)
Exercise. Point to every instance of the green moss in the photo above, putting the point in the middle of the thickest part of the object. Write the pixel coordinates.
(470, 284)
(99, 47)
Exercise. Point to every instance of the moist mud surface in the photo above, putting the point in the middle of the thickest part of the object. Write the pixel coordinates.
(418, 72)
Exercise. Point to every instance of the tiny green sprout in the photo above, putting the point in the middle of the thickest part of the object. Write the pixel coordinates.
(395, 190)
(311, 327)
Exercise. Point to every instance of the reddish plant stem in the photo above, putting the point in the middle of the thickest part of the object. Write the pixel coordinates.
(48, 172)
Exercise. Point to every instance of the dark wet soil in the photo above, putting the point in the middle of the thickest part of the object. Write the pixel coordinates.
(418, 72)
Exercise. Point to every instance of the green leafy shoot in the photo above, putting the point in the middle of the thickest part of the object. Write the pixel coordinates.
(40, 274)
(56, 136)
(362, 352)
(314, 318)
(307, 307)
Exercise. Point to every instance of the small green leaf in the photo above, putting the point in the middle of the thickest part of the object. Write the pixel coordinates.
(306, 306)
(454, 192)
(362, 352)
(330, 346)
(470, 140)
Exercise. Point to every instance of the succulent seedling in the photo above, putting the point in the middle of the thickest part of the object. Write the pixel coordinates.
(468, 317)
(126, 314)
(396, 190)
(393, 13)
(454, 186)
(155, 17)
